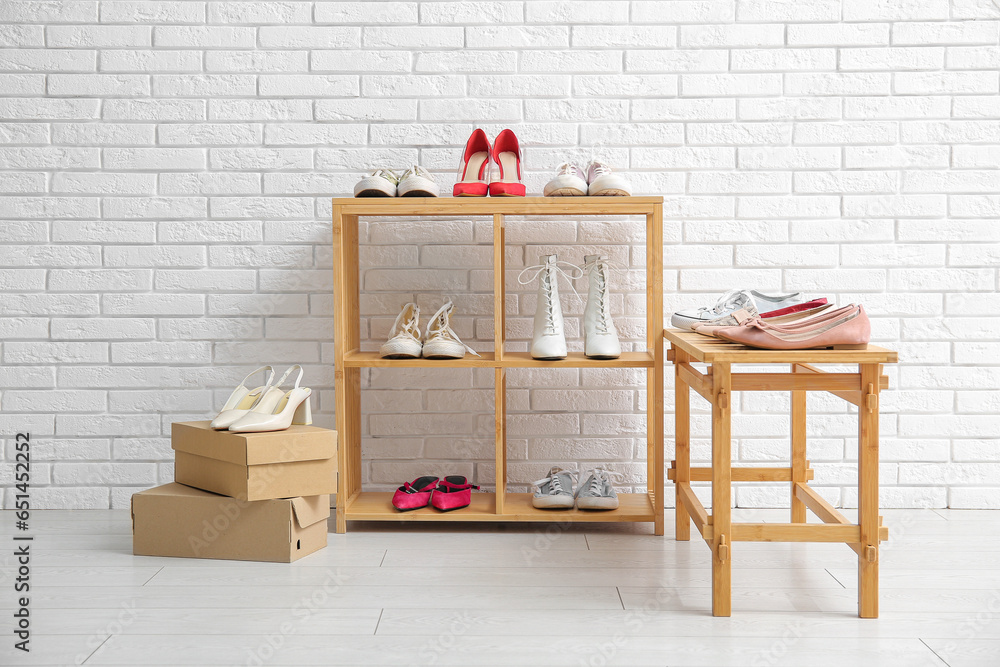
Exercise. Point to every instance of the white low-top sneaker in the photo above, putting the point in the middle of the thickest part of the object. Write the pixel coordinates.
(379, 183)
(602, 182)
(731, 309)
(569, 181)
(440, 340)
(404, 337)
(417, 182)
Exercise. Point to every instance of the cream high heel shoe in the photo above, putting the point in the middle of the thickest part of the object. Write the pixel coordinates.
(242, 399)
(276, 412)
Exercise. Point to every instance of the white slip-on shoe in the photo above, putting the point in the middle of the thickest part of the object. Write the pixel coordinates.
(596, 491)
(548, 341)
(379, 183)
(569, 181)
(440, 340)
(404, 338)
(600, 338)
(555, 490)
(241, 400)
(602, 182)
(285, 409)
(732, 308)
(417, 182)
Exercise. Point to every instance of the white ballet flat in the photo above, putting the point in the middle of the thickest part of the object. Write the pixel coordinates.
(241, 399)
(278, 411)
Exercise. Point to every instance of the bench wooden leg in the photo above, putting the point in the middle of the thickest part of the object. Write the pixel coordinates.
(798, 438)
(868, 445)
(682, 448)
(721, 491)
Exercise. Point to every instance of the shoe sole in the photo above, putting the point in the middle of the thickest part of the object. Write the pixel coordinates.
(543, 506)
(451, 509)
(373, 193)
(602, 356)
(442, 356)
(611, 192)
(566, 192)
(418, 193)
(400, 356)
(548, 358)
(410, 509)
(597, 506)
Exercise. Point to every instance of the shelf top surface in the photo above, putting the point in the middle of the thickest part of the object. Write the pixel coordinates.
(416, 206)
(708, 349)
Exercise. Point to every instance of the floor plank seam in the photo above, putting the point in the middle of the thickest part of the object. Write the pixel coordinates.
(158, 570)
(98, 648)
(943, 661)
(620, 600)
(827, 570)
(381, 611)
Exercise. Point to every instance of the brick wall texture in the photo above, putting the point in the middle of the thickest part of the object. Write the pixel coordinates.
(166, 168)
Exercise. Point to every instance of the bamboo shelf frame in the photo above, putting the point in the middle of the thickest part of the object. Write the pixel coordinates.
(716, 386)
(355, 504)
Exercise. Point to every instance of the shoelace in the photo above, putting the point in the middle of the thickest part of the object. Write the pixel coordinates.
(726, 302)
(440, 327)
(600, 169)
(540, 269)
(417, 170)
(555, 484)
(387, 174)
(569, 169)
(411, 326)
(602, 266)
(601, 476)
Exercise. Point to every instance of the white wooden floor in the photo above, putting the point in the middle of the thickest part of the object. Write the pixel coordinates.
(508, 595)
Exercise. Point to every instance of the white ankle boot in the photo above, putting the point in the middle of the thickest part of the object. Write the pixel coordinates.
(600, 338)
(549, 338)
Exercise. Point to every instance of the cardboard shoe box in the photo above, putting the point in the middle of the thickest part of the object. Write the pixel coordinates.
(299, 461)
(176, 520)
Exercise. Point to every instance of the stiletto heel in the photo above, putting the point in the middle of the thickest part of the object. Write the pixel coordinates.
(242, 399)
(474, 171)
(507, 156)
(277, 411)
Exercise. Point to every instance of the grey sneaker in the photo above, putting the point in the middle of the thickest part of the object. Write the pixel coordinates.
(554, 491)
(596, 493)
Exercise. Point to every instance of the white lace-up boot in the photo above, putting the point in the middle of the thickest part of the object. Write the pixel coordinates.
(549, 338)
(600, 338)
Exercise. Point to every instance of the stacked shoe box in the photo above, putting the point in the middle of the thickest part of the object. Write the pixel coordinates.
(240, 496)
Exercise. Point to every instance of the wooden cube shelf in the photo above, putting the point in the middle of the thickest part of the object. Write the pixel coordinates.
(355, 504)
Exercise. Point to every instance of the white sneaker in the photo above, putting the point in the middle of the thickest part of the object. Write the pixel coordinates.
(555, 491)
(379, 183)
(602, 182)
(596, 492)
(732, 308)
(417, 182)
(440, 340)
(570, 181)
(404, 338)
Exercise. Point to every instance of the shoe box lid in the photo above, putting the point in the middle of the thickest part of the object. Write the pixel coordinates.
(297, 443)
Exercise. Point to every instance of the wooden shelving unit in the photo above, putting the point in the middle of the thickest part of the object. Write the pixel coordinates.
(354, 504)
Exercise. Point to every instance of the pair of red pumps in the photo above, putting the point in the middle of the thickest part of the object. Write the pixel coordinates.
(475, 174)
(451, 493)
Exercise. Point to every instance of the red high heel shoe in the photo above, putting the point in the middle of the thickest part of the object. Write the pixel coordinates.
(414, 495)
(507, 156)
(453, 493)
(474, 173)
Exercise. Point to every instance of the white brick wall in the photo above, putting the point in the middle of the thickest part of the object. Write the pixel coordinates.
(165, 169)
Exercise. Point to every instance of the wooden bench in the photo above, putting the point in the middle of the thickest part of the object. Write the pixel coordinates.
(716, 386)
